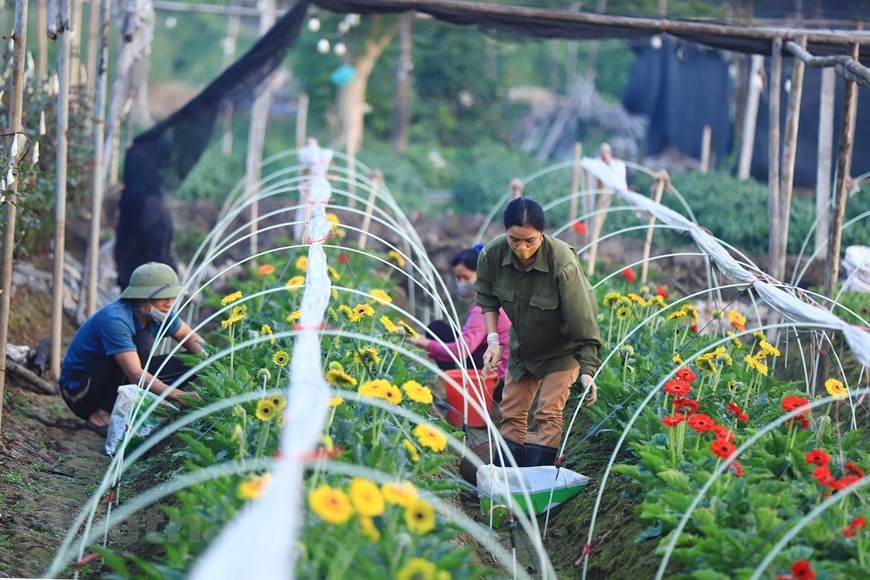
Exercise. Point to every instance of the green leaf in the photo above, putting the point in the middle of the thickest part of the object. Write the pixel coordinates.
(114, 560)
(649, 533)
(766, 519)
(674, 478)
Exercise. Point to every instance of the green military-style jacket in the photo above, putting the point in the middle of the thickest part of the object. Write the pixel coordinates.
(551, 306)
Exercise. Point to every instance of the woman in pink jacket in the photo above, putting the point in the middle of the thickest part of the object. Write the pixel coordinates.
(473, 331)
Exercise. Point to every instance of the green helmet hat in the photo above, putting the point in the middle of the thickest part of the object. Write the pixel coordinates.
(152, 281)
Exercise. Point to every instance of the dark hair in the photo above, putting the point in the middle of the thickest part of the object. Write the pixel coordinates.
(524, 212)
(467, 258)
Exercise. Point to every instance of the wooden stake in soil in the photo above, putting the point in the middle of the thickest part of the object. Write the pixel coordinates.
(662, 180)
(10, 196)
(705, 149)
(750, 117)
(377, 180)
(792, 123)
(773, 209)
(826, 155)
(844, 166)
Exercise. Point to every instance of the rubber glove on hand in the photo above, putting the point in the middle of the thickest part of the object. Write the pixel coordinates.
(586, 381)
(492, 356)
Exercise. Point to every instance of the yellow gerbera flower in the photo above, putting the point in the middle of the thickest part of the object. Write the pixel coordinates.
(374, 389)
(366, 497)
(417, 392)
(611, 297)
(381, 296)
(367, 356)
(418, 569)
(294, 316)
(339, 378)
(623, 312)
(281, 358)
(755, 364)
(412, 450)
(240, 312)
(295, 282)
(332, 313)
(420, 517)
(430, 437)
(334, 365)
(279, 402)
(408, 329)
(302, 263)
(399, 493)
(737, 320)
(266, 330)
(345, 309)
(266, 411)
(678, 359)
(333, 219)
(254, 488)
(333, 273)
(360, 311)
(336, 401)
(369, 529)
(331, 504)
(734, 340)
(836, 389)
(388, 324)
(397, 257)
(769, 349)
(391, 394)
(230, 298)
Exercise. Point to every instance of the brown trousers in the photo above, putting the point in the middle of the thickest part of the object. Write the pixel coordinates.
(518, 398)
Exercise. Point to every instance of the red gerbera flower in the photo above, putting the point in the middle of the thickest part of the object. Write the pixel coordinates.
(818, 457)
(858, 523)
(673, 420)
(801, 570)
(732, 407)
(738, 469)
(343, 258)
(793, 402)
(662, 292)
(743, 417)
(685, 374)
(681, 403)
(845, 482)
(678, 388)
(722, 448)
(629, 275)
(695, 328)
(723, 432)
(822, 474)
(853, 469)
(580, 228)
(701, 423)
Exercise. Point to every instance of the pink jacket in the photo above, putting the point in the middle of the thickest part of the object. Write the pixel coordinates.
(474, 333)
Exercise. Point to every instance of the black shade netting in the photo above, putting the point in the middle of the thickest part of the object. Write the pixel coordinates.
(160, 159)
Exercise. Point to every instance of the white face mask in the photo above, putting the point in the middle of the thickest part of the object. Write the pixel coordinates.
(155, 315)
(465, 289)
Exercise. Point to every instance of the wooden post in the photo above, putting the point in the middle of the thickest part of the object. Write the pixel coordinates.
(402, 109)
(602, 204)
(63, 74)
(750, 118)
(825, 157)
(257, 133)
(773, 209)
(94, 14)
(302, 120)
(10, 197)
(234, 23)
(377, 180)
(575, 182)
(844, 166)
(705, 149)
(661, 180)
(75, 50)
(42, 40)
(792, 123)
(93, 266)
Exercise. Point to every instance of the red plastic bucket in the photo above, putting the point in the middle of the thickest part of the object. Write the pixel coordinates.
(456, 385)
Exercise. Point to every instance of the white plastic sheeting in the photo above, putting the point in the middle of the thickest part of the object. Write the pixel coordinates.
(262, 541)
(787, 304)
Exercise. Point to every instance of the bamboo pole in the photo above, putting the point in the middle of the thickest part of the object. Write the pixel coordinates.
(93, 46)
(706, 135)
(575, 181)
(63, 76)
(402, 108)
(257, 133)
(377, 178)
(792, 124)
(301, 121)
(750, 118)
(75, 50)
(773, 209)
(10, 197)
(234, 23)
(662, 180)
(42, 40)
(93, 266)
(825, 158)
(844, 166)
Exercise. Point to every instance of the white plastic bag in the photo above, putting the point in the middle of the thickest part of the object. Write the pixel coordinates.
(128, 399)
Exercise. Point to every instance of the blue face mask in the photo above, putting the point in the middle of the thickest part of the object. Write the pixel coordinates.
(465, 289)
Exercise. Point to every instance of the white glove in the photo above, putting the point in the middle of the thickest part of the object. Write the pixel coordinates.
(587, 382)
(492, 356)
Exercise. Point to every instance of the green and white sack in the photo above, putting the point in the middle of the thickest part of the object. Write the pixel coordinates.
(504, 486)
(131, 397)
